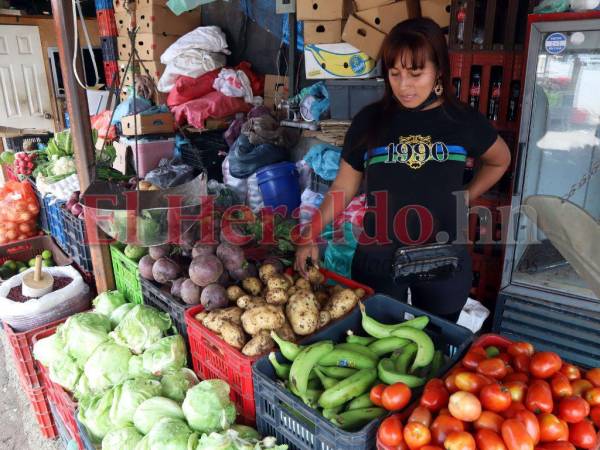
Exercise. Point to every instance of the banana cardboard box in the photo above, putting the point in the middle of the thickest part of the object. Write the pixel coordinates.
(329, 61)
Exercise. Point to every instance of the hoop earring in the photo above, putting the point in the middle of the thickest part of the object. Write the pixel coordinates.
(438, 89)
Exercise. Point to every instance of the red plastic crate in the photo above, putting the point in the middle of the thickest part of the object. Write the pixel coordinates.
(111, 69)
(107, 25)
(213, 358)
(41, 409)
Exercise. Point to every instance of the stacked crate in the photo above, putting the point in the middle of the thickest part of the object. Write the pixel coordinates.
(107, 29)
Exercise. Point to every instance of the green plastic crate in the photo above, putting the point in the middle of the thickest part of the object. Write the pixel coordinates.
(127, 276)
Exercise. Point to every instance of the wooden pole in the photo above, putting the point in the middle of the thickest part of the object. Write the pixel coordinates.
(79, 117)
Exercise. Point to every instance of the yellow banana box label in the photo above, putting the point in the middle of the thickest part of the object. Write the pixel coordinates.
(325, 61)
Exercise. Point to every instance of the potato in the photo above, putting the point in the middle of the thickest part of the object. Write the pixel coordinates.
(303, 313)
(322, 298)
(278, 282)
(302, 283)
(341, 303)
(315, 276)
(249, 302)
(234, 292)
(324, 318)
(290, 278)
(233, 314)
(277, 297)
(286, 332)
(266, 317)
(267, 271)
(233, 334)
(259, 344)
(201, 315)
(360, 293)
(335, 289)
(292, 290)
(252, 285)
(214, 320)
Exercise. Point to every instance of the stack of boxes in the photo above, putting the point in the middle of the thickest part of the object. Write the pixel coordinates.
(107, 29)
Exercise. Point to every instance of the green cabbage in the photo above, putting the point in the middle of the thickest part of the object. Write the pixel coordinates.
(118, 314)
(49, 350)
(108, 301)
(232, 440)
(167, 354)
(207, 406)
(176, 383)
(245, 432)
(153, 409)
(83, 387)
(121, 439)
(107, 366)
(94, 413)
(65, 372)
(136, 367)
(129, 396)
(83, 333)
(142, 327)
(171, 434)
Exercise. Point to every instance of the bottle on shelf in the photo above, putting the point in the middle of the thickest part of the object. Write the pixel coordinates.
(461, 17)
(475, 90)
(457, 82)
(513, 101)
(494, 103)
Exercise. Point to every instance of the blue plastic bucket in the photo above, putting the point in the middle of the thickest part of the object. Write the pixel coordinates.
(279, 185)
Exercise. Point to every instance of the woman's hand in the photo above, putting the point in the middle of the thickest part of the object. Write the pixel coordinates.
(303, 252)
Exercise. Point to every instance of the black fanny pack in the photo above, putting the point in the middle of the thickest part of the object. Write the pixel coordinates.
(425, 263)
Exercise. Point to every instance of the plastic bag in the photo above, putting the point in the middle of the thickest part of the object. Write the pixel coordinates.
(169, 173)
(473, 315)
(187, 88)
(245, 158)
(339, 255)
(552, 6)
(64, 302)
(255, 198)
(101, 123)
(19, 210)
(234, 83)
(237, 185)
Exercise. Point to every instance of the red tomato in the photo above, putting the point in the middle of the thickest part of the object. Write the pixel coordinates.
(489, 421)
(396, 396)
(515, 435)
(442, 426)
(520, 348)
(493, 367)
(431, 447)
(390, 431)
(517, 390)
(582, 434)
(473, 357)
(489, 440)
(592, 396)
(570, 371)
(593, 376)
(573, 409)
(552, 428)
(460, 440)
(495, 397)
(558, 446)
(561, 386)
(450, 383)
(435, 395)
(416, 435)
(516, 376)
(539, 397)
(521, 363)
(532, 426)
(595, 415)
(470, 382)
(545, 364)
(375, 394)
(464, 406)
(421, 415)
(512, 410)
(504, 357)
(580, 387)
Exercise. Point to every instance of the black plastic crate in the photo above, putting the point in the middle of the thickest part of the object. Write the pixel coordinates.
(76, 238)
(348, 97)
(85, 436)
(279, 413)
(155, 296)
(206, 151)
(63, 433)
(16, 143)
(110, 51)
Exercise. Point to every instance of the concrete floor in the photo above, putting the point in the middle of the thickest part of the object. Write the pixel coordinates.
(18, 427)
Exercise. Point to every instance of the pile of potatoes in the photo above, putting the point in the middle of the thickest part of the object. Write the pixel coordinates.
(290, 305)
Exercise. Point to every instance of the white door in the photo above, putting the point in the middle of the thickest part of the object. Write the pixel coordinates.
(24, 96)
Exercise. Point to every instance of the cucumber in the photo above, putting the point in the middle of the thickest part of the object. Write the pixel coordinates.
(339, 373)
(287, 349)
(304, 363)
(357, 418)
(425, 348)
(387, 345)
(326, 381)
(362, 340)
(387, 374)
(358, 348)
(281, 370)
(403, 361)
(352, 387)
(364, 401)
(347, 358)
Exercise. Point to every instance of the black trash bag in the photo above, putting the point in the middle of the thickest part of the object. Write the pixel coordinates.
(245, 158)
(170, 173)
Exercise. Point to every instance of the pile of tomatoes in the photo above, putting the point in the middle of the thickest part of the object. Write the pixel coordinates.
(509, 399)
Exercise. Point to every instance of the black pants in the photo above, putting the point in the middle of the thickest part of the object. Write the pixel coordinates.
(372, 266)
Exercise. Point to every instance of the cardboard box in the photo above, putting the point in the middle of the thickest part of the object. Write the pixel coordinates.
(363, 36)
(154, 69)
(438, 10)
(160, 20)
(122, 19)
(362, 5)
(161, 123)
(384, 18)
(276, 89)
(342, 60)
(119, 5)
(320, 10)
(149, 46)
(328, 32)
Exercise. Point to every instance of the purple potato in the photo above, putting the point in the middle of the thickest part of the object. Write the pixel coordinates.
(159, 251)
(247, 270)
(232, 256)
(190, 292)
(165, 270)
(145, 265)
(176, 287)
(205, 269)
(201, 249)
(214, 296)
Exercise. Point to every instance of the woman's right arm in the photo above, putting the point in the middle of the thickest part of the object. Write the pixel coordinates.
(340, 194)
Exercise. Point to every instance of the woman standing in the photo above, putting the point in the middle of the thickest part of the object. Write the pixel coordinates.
(411, 149)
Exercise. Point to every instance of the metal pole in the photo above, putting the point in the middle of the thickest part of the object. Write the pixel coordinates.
(292, 55)
(79, 117)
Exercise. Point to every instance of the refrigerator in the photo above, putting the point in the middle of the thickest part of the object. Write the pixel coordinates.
(550, 291)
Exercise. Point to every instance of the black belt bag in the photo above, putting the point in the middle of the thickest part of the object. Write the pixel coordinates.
(425, 263)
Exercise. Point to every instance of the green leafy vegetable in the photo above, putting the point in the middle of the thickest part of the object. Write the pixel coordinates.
(128, 396)
(122, 439)
(167, 354)
(106, 302)
(207, 406)
(153, 409)
(142, 327)
(176, 383)
(107, 366)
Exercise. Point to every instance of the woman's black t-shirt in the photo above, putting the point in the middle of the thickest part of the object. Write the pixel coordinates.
(413, 166)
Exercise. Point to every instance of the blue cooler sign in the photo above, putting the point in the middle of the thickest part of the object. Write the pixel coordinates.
(556, 43)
